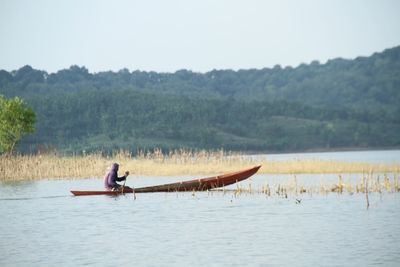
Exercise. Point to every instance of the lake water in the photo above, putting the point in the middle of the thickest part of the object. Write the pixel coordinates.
(376, 156)
(43, 225)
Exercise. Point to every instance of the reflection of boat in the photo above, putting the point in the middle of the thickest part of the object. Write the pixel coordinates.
(192, 185)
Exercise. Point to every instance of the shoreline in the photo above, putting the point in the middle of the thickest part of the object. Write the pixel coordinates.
(322, 150)
(40, 167)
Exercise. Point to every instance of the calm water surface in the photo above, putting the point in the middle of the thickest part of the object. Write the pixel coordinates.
(39, 228)
(380, 156)
(43, 225)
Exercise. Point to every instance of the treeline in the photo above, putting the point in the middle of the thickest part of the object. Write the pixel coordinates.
(343, 103)
(131, 120)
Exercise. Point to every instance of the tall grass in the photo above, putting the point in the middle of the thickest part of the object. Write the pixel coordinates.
(177, 162)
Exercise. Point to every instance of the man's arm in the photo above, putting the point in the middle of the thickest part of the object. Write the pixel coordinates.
(123, 178)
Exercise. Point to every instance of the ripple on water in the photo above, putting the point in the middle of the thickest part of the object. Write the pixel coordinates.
(203, 230)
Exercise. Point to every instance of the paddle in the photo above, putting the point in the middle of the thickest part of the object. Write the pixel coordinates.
(123, 186)
(133, 189)
(134, 195)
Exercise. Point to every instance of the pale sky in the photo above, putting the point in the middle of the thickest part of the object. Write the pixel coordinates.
(168, 35)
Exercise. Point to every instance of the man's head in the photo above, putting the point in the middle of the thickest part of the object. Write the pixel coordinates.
(115, 167)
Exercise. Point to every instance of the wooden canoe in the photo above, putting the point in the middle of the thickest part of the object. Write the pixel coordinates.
(192, 185)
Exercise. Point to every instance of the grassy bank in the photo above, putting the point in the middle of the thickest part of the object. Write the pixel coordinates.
(179, 162)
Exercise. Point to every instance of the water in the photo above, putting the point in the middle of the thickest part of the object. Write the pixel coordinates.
(43, 225)
(379, 157)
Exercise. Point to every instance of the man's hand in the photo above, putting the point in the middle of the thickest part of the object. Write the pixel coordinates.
(126, 173)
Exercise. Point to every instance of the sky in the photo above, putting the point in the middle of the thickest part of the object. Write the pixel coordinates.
(202, 35)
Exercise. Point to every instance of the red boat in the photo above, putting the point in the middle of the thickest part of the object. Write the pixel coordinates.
(192, 185)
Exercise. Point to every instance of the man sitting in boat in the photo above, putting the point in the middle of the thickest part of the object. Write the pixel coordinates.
(111, 178)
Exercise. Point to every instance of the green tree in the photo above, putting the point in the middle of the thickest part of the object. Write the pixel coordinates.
(16, 120)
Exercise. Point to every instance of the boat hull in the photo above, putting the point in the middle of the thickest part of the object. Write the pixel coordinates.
(192, 185)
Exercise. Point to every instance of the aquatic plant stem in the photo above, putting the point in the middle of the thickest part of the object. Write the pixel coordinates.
(366, 192)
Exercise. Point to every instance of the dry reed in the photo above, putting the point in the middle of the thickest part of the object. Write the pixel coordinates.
(367, 183)
(178, 162)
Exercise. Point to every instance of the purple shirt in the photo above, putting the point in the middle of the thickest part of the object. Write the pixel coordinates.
(111, 178)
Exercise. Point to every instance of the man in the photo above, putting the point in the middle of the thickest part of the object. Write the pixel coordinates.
(111, 178)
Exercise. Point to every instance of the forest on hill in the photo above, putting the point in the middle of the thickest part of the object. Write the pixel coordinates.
(339, 104)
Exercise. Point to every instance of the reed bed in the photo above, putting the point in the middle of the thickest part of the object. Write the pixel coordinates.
(174, 163)
(366, 184)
